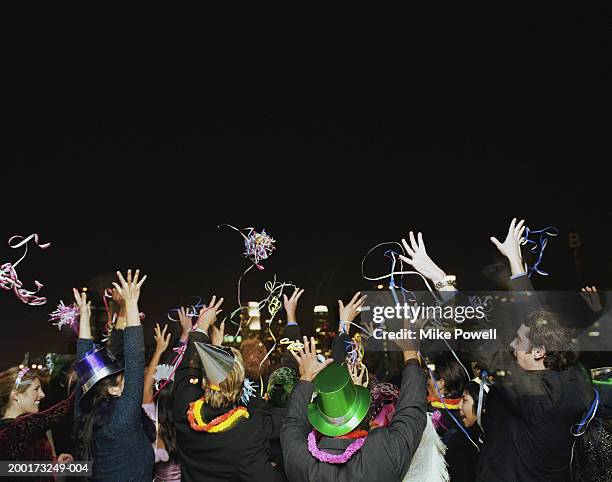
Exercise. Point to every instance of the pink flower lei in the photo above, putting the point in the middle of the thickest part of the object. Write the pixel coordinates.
(330, 458)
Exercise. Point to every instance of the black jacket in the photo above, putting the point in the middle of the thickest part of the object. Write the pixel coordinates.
(387, 452)
(240, 453)
(529, 414)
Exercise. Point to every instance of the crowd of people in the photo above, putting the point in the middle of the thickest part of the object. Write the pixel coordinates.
(203, 411)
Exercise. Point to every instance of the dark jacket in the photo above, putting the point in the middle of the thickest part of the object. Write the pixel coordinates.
(529, 414)
(122, 449)
(240, 453)
(387, 452)
(461, 454)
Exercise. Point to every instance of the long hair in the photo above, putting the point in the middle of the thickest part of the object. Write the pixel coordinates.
(97, 405)
(165, 419)
(7, 384)
(230, 389)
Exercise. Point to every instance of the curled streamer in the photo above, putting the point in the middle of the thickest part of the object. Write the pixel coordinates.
(391, 276)
(354, 357)
(538, 246)
(66, 315)
(292, 345)
(191, 311)
(9, 280)
(257, 247)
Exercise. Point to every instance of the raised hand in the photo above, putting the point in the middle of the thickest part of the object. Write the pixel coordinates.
(161, 339)
(84, 305)
(356, 373)
(130, 292)
(592, 298)
(349, 312)
(307, 360)
(186, 323)
(418, 258)
(217, 334)
(291, 303)
(117, 298)
(208, 314)
(85, 313)
(130, 289)
(511, 247)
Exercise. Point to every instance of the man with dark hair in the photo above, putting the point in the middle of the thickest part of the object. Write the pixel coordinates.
(538, 393)
(543, 343)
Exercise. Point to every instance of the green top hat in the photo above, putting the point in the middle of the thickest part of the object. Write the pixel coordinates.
(339, 405)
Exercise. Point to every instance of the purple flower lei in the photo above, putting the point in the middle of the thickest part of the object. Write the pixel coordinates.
(330, 458)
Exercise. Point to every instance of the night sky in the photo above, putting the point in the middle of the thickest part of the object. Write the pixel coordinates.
(112, 197)
(332, 157)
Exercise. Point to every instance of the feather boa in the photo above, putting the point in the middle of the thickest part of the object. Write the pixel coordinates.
(428, 464)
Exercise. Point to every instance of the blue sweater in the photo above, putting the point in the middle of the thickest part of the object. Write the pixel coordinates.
(122, 450)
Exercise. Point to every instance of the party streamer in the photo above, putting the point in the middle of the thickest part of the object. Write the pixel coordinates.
(538, 246)
(257, 247)
(66, 315)
(9, 280)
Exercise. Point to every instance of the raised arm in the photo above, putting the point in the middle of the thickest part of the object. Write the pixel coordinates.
(190, 369)
(347, 315)
(161, 344)
(417, 257)
(292, 331)
(295, 428)
(85, 341)
(406, 429)
(129, 404)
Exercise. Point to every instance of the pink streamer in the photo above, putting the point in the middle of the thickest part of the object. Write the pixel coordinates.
(9, 280)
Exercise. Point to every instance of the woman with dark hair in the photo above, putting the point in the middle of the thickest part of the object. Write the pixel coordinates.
(444, 394)
(110, 428)
(22, 427)
(157, 402)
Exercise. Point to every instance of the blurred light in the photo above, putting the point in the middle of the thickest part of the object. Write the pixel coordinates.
(321, 309)
(229, 338)
(21, 367)
(432, 367)
(84, 288)
(255, 323)
(317, 330)
(593, 333)
(380, 287)
(238, 339)
(253, 308)
(318, 351)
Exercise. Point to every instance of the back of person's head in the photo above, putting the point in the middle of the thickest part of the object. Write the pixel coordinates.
(230, 389)
(453, 374)
(165, 418)
(8, 383)
(546, 330)
(253, 352)
(96, 407)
